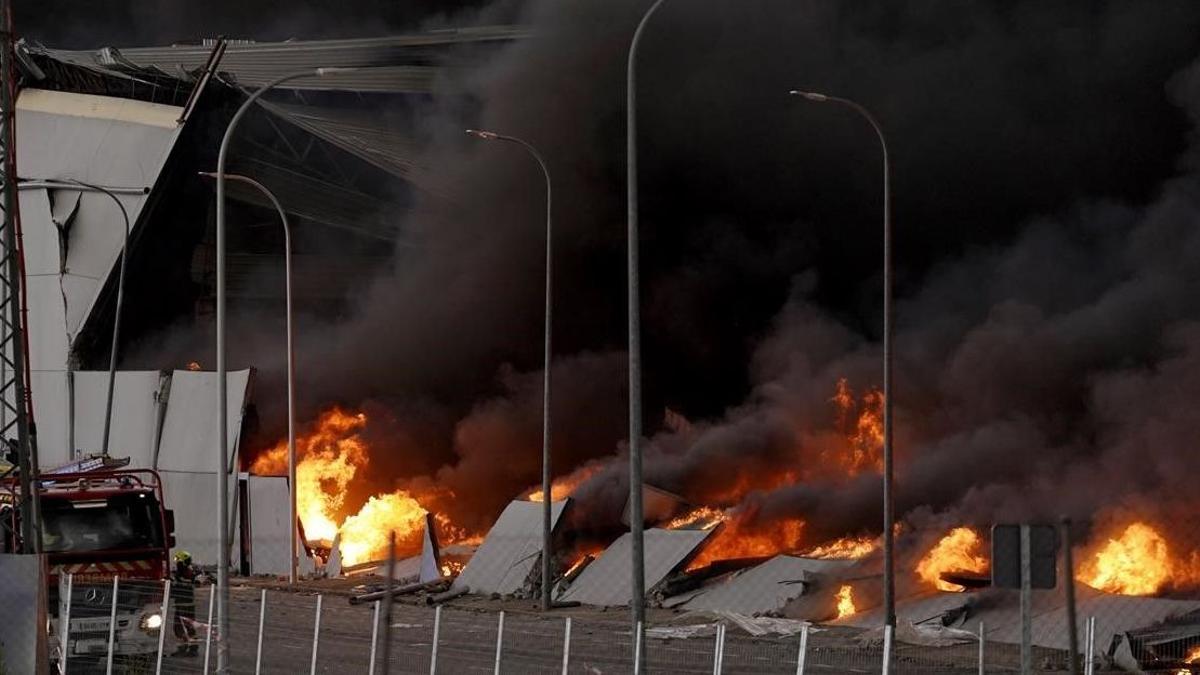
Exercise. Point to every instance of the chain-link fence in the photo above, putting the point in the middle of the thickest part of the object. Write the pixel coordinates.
(127, 626)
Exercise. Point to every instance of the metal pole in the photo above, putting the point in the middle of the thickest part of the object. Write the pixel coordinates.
(887, 649)
(981, 644)
(1026, 604)
(262, 616)
(162, 628)
(223, 534)
(1069, 584)
(293, 516)
(374, 638)
(112, 626)
(566, 647)
(637, 566)
(437, 625)
(547, 548)
(316, 637)
(719, 656)
(889, 500)
(1091, 646)
(212, 595)
(64, 622)
(387, 604)
(499, 641)
(803, 655)
(637, 650)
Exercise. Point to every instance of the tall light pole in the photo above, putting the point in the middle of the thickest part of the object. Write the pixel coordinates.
(293, 518)
(223, 538)
(637, 564)
(889, 503)
(111, 192)
(546, 497)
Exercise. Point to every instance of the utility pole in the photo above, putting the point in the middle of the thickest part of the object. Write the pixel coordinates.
(17, 429)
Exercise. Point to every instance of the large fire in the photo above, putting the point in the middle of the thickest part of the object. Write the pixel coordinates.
(563, 486)
(329, 457)
(958, 551)
(1138, 562)
(737, 540)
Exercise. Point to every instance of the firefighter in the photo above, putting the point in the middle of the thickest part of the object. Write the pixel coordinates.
(183, 597)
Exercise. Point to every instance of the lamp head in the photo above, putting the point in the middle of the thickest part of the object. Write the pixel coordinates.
(485, 135)
(810, 95)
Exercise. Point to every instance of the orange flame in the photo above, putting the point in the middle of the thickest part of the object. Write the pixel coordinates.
(739, 541)
(958, 551)
(1138, 562)
(330, 457)
(847, 548)
(563, 486)
(862, 423)
(452, 568)
(845, 602)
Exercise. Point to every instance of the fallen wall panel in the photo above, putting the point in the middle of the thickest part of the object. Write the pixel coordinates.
(510, 550)
(607, 581)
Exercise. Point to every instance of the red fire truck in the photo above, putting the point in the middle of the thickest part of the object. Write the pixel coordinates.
(97, 525)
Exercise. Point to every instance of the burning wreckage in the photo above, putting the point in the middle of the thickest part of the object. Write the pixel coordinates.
(79, 111)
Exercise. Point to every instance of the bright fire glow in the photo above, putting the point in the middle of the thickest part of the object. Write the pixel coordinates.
(563, 486)
(1138, 562)
(847, 548)
(737, 541)
(845, 602)
(958, 551)
(861, 421)
(330, 457)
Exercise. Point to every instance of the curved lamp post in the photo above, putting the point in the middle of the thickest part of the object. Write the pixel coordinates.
(638, 582)
(889, 505)
(293, 518)
(223, 538)
(111, 192)
(546, 497)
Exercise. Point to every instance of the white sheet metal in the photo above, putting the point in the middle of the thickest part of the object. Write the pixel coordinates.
(607, 580)
(766, 587)
(510, 550)
(189, 435)
(430, 557)
(135, 414)
(268, 506)
(96, 139)
(49, 390)
(193, 497)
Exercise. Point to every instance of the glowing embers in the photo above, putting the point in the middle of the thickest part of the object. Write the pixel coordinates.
(961, 550)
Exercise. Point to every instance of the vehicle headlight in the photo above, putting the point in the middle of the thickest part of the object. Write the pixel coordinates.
(151, 622)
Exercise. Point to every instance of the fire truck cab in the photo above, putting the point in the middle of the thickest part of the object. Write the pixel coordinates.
(97, 526)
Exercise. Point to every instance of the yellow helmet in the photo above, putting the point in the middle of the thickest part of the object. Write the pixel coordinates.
(183, 556)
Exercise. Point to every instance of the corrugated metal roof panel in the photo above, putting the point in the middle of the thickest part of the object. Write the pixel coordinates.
(607, 581)
(510, 550)
(766, 587)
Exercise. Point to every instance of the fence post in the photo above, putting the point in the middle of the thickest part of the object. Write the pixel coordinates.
(212, 595)
(803, 655)
(499, 640)
(262, 615)
(1091, 646)
(162, 628)
(887, 649)
(64, 621)
(566, 646)
(374, 638)
(316, 635)
(637, 650)
(981, 641)
(719, 653)
(112, 627)
(437, 626)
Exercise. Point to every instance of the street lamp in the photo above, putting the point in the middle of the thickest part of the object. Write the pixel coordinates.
(889, 505)
(293, 518)
(546, 499)
(637, 552)
(222, 385)
(111, 192)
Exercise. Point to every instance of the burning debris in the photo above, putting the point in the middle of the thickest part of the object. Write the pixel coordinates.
(961, 550)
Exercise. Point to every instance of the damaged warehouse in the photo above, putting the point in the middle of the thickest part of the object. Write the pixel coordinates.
(740, 493)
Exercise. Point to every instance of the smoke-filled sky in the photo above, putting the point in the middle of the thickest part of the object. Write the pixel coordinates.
(1046, 220)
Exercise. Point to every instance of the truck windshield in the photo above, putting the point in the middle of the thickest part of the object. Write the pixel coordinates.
(128, 521)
